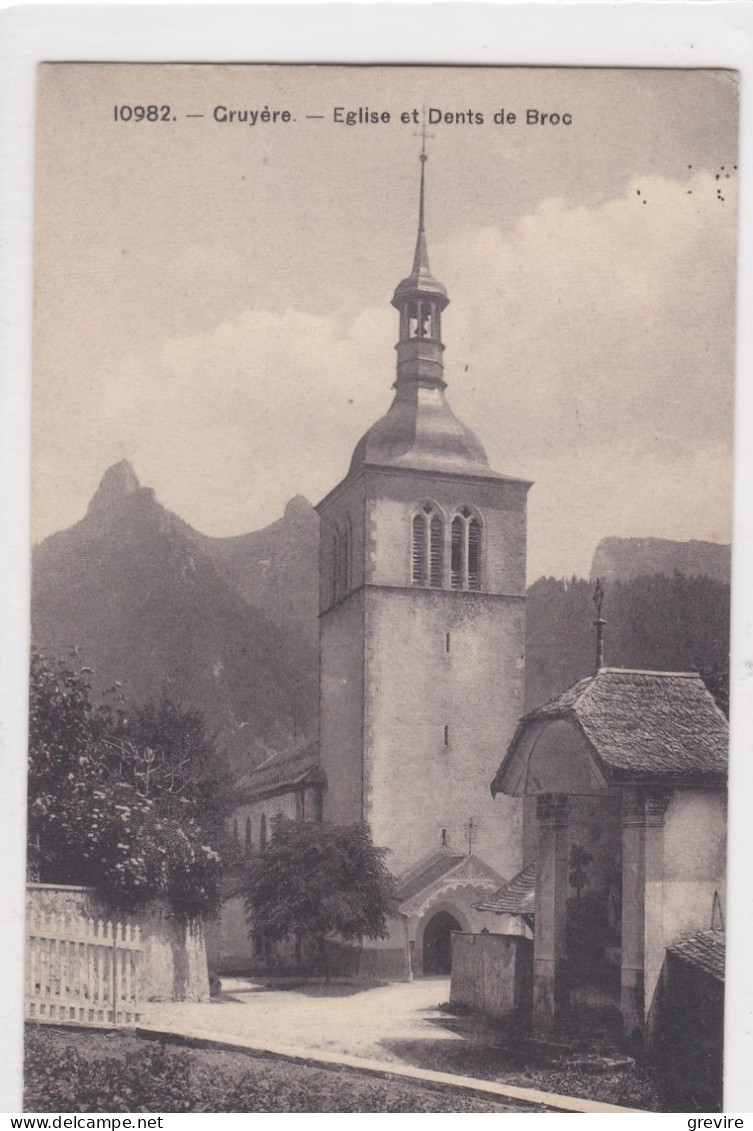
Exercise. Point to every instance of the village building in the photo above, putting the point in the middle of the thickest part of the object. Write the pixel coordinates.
(287, 784)
(422, 640)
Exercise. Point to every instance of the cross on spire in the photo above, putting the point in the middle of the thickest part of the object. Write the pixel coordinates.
(423, 158)
(423, 155)
(471, 831)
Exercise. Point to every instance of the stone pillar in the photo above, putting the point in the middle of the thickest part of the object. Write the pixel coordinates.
(642, 906)
(550, 926)
(653, 915)
(633, 830)
(408, 956)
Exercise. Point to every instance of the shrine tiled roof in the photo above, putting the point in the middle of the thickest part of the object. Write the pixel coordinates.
(515, 898)
(704, 949)
(641, 723)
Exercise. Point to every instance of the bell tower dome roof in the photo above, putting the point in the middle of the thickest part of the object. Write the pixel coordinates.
(420, 430)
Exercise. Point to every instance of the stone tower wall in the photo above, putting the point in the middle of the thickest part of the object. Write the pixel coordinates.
(420, 779)
(342, 709)
(400, 663)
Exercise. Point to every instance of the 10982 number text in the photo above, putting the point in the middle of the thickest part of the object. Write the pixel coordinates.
(142, 114)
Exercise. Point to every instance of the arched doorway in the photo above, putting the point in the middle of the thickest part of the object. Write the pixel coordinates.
(437, 952)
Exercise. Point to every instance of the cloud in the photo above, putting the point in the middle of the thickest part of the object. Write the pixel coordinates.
(599, 352)
(600, 343)
(227, 425)
(615, 322)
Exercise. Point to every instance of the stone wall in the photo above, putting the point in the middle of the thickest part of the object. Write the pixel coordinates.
(494, 974)
(444, 690)
(342, 707)
(370, 962)
(230, 949)
(692, 867)
(695, 860)
(175, 959)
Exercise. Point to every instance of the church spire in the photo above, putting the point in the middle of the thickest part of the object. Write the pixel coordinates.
(421, 257)
(420, 299)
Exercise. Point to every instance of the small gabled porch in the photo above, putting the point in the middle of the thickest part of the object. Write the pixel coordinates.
(628, 772)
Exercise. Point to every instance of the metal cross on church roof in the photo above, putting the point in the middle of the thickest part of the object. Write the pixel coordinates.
(598, 600)
(471, 829)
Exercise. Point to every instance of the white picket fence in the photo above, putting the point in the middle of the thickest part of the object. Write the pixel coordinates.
(81, 971)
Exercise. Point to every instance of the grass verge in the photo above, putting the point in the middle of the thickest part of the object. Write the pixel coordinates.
(75, 1070)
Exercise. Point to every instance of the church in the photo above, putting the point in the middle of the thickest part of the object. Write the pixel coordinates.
(422, 650)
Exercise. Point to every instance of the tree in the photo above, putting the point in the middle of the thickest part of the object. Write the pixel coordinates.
(315, 880)
(656, 622)
(110, 810)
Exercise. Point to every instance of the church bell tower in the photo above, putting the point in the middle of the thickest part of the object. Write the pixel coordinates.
(422, 614)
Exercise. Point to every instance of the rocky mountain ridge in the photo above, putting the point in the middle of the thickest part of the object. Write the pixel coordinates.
(160, 607)
(622, 559)
(230, 625)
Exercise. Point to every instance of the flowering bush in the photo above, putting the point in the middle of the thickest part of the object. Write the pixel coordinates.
(107, 810)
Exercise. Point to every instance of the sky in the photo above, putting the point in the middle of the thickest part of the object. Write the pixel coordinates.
(213, 298)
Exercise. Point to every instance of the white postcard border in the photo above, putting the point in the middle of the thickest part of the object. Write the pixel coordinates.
(650, 34)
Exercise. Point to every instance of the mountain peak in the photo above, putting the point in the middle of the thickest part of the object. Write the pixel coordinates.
(622, 559)
(298, 507)
(119, 480)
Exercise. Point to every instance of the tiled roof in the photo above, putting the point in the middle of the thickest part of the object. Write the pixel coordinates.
(436, 867)
(517, 897)
(281, 771)
(705, 949)
(642, 723)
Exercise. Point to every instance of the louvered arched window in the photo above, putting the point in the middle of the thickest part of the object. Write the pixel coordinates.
(427, 547)
(466, 545)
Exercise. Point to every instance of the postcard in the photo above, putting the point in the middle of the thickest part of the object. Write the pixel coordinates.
(382, 517)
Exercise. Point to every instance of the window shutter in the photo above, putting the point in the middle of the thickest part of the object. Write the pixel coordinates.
(436, 537)
(419, 547)
(474, 554)
(456, 560)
